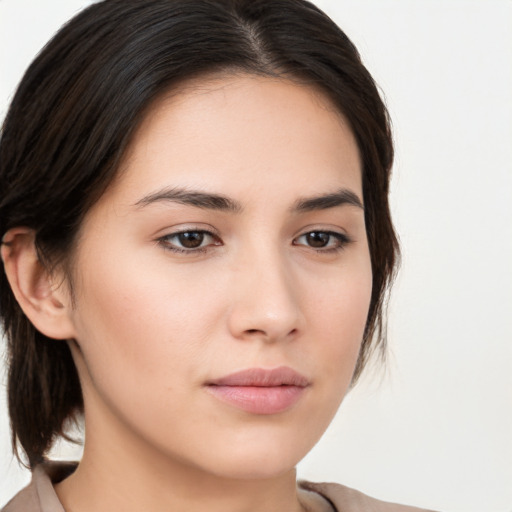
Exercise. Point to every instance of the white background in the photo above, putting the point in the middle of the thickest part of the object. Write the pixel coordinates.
(434, 429)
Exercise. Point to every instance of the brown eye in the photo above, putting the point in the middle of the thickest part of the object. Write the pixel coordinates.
(191, 239)
(324, 241)
(317, 239)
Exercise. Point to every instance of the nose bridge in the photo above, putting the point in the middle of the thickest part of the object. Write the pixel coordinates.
(266, 300)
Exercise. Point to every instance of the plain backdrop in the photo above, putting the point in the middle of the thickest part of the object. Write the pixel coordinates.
(435, 428)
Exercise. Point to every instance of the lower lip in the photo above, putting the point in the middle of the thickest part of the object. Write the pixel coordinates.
(258, 400)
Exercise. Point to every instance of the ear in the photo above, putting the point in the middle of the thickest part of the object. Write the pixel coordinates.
(43, 296)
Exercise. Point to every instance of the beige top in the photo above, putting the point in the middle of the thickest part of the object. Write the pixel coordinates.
(40, 496)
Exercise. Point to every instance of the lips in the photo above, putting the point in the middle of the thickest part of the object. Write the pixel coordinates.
(260, 391)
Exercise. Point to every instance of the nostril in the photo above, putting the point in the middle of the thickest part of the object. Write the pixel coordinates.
(264, 333)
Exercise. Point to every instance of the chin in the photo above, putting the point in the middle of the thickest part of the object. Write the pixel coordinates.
(264, 459)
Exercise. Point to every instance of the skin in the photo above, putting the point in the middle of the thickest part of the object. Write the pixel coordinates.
(150, 326)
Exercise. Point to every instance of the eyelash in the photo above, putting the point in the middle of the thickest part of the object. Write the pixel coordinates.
(168, 246)
(341, 241)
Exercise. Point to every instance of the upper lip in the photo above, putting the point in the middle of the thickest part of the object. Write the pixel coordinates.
(260, 377)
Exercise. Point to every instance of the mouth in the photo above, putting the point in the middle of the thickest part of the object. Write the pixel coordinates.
(260, 391)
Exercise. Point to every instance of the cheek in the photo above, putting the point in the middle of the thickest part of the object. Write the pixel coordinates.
(144, 346)
(138, 319)
(339, 302)
(338, 310)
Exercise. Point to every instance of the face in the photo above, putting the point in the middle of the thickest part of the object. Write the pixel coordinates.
(223, 280)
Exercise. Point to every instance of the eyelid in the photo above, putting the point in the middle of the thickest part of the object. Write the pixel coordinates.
(185, 228)
(163, 240)
(342, 238)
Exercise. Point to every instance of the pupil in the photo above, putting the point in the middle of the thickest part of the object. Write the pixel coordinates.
(317, 239)
(191, 239)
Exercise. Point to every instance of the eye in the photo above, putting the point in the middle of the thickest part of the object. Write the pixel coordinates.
(189, 241)
(323, 241)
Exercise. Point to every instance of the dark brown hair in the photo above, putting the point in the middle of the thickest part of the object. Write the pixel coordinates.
(74, 114)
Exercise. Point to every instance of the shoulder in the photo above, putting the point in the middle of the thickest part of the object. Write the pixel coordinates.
(39, 495)
(349, 500)
(25, 501)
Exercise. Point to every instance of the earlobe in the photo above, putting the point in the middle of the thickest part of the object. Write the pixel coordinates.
(44, 301)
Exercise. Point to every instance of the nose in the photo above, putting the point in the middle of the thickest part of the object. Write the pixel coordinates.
(265, 300)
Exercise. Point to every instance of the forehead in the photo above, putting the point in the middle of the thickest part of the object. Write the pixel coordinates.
(239, 130)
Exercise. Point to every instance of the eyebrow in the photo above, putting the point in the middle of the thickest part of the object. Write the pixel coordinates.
(326, 201)
(195, 198)
(211, 201)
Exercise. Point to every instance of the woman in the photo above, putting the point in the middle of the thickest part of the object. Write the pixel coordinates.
(196, 244)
